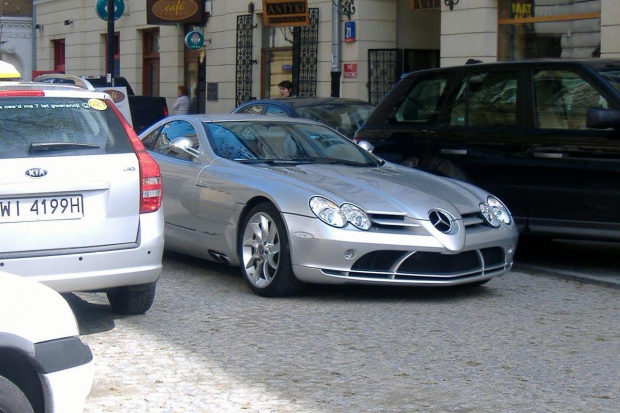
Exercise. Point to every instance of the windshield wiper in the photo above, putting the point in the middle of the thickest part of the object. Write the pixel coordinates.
(330, 161)
(59, 146)
(268, 161)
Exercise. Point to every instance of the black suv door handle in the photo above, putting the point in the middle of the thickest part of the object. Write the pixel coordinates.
(453, 151)
(548, 155)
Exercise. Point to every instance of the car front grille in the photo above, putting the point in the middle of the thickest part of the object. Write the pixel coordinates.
(426, 267)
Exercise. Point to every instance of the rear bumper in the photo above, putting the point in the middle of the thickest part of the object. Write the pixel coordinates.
(98, 270)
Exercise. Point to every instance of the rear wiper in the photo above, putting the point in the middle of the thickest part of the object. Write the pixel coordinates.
(59, 146)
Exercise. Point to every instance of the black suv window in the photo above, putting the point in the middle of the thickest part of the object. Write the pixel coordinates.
(420, 105)
(562, 99)
(483, 99)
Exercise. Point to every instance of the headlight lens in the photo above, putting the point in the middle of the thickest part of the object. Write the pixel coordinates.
(338, 216)
(495, 212)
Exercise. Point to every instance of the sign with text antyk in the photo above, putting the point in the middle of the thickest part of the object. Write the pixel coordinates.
(170, 12)
(285, 13)
(425, 4)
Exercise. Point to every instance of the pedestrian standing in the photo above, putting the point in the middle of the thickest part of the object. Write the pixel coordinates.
(181, 106)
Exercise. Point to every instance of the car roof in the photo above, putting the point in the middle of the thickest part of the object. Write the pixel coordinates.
(593, 62)
(53, 89)
(77, 80)
(231, 117)
(304, 101)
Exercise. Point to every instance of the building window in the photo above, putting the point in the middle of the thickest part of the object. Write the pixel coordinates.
(549, 29)
(150, 63)
(59, 55)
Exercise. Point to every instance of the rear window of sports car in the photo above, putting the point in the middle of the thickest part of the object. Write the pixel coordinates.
(36, 126)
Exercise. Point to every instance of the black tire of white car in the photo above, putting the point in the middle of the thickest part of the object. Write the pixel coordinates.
(264, 247)
(132, 299)
(12, 399)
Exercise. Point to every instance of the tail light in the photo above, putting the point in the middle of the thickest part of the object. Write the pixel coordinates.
(166, 113)
(151, 187)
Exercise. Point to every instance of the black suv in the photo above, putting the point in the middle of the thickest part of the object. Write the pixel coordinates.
(542, 135)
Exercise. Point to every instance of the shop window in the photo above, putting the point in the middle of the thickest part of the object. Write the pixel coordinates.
(117, 52)
(150, 63)
(549, 29)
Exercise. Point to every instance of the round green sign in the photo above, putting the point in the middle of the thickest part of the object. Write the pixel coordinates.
(102, 9)
(194, 40)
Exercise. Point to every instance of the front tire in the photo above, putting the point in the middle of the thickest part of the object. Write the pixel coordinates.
(265, 253)
(12, 399)
(132, 299)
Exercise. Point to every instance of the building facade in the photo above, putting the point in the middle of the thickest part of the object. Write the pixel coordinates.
(349, 48)
(16, 35)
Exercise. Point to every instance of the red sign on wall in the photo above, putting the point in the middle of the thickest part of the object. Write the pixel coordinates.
(350, 70)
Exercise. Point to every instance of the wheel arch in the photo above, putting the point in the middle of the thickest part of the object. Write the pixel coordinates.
(244, 214)
(17, 366)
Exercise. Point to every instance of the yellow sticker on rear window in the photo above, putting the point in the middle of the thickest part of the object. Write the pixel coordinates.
(97, 104)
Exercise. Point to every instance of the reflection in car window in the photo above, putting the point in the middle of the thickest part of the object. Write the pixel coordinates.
(171, 131)
(252, 110)
(420, 105)
(69, 123)
(346, 118)
(282, 141)
(274, 111)
(492, 99)
(612, 74)
(563, 99)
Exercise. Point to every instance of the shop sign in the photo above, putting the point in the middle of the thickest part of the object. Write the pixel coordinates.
(169, 12)
(350, 70)
(285, 13)
(425, 4)
(520, 9)
(349, 32)
(194, 40)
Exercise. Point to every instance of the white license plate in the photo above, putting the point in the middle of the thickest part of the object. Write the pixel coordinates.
(41, 209)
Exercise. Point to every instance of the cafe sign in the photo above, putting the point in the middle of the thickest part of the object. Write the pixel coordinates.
(285, 13)
(169, 12)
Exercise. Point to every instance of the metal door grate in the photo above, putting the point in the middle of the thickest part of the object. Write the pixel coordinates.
(384, 70)
(244, 59)
(305, 49)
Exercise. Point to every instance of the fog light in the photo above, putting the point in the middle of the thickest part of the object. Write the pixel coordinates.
(349, 254)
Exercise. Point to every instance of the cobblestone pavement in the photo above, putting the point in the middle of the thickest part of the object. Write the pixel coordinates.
(522, 343)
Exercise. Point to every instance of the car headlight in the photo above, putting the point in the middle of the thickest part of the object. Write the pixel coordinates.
(495, 212)
(339, 215)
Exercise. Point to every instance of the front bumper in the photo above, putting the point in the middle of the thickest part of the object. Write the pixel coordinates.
(326, 255)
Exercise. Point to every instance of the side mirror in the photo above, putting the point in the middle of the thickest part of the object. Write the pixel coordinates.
(603, 118)
(366, 146)
(183, 144)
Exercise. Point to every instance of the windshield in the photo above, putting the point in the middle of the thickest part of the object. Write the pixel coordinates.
(284, 142)
(346, 118)
(53, 126)
(612, 74)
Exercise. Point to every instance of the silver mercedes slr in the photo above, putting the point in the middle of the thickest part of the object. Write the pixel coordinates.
(292, 201)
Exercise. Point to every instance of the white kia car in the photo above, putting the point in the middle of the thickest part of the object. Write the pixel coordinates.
(80, 198)
(44, 366)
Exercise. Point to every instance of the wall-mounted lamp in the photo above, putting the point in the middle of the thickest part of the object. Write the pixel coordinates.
(68, 22)
(251, 7)
(450, 3)
(38, 26)
(347, 7)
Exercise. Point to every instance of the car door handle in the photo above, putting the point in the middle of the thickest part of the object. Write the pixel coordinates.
(548, 155)
(454, 151)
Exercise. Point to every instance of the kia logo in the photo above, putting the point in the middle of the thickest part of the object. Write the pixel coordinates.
(441, 220)
(36, 172)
